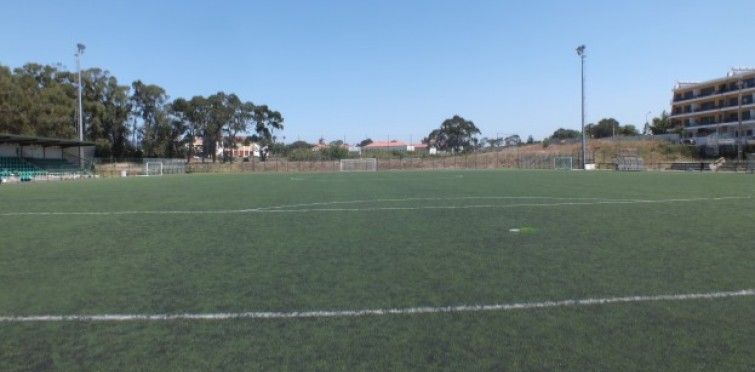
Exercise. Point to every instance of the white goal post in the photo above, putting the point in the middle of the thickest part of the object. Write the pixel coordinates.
(358, 165)
(563, 162)
(153, 168)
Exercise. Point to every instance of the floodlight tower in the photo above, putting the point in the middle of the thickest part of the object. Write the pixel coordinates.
(581, 53)
(80, 50)
(740, 136)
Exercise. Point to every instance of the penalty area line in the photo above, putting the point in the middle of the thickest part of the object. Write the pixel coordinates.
(375, 312)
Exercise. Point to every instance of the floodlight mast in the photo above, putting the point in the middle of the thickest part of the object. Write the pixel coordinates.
(740, 136)
(80, 50)
(581, 53)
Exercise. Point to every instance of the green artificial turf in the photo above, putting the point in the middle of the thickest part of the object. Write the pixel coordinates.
(353, 241)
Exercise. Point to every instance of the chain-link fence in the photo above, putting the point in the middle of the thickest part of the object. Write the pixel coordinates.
(138, 167)
(601, 158)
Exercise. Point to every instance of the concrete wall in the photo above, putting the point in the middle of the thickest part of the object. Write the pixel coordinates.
(36, 152)
(8, 150)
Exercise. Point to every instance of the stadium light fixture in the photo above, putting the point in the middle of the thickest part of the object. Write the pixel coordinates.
(581, 53)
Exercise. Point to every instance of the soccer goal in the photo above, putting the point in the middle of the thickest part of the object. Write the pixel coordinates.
(359, 165)
(153, 168)
(563, 163)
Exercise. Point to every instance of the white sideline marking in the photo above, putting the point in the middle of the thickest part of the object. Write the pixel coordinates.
(295, 207)
(375, 312)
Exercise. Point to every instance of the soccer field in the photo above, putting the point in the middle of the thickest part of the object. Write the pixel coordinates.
(432, 270)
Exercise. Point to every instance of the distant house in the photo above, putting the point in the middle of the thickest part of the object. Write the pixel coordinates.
(240, 151)
(395, 146)
(419, 147)
(245, 151)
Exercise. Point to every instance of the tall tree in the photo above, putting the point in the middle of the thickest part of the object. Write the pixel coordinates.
(149, 105)
(562, 134)
(628, 130)
(512, 140)
(37, 100)
(199, 115)
(662, 125)
(365, 142)
(107, 108)
(265, 122)
(181, 112)
(242, 114)
(219, 114)
(455, 134)
(605, 128)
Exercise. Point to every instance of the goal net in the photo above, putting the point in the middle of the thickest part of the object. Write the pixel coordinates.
(153, 169)
(564, 163)
(359, 165)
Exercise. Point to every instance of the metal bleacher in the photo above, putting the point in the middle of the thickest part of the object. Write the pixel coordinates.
(11, 166)
(26, 169)
(628, 163)
(54, 165)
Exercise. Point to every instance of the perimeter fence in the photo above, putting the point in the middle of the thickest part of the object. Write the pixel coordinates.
(138, 167)
(628, 160)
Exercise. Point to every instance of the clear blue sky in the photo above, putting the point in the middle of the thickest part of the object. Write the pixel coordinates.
(397, 68)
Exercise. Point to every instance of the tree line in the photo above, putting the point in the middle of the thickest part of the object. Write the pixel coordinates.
(459, 135)
(123, 121)
(609, 127)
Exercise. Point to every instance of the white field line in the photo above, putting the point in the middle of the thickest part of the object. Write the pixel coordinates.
(298, 208)
(376, 312)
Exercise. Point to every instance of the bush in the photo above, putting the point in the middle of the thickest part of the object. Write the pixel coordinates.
(302, 154)
(336, 152)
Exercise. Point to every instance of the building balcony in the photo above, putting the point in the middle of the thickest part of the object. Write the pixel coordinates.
(690, 98)
(746, 106)
(718, 124)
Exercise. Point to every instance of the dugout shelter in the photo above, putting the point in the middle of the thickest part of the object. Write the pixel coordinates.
(25, 158)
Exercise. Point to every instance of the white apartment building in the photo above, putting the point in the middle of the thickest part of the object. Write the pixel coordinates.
(716, 109)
